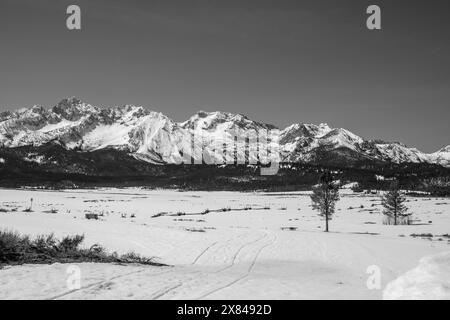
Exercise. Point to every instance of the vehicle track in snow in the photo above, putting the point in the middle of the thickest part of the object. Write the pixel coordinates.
(252, 264)
(159, 284)
(204, 252)
(233, 261)
(209, 281)
(99, 284)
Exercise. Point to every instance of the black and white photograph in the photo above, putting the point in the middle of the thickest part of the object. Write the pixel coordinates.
(230, 150)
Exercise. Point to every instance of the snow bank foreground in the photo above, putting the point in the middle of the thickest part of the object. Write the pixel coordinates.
(430, 280)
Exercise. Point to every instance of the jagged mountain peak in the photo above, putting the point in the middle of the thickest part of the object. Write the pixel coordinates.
(342, 134)
(308, 129)
(72, 101)
(214, 115)
(35, 109)
(152, 136)
(321, 129)
(442, 156)
(218, 120)
(444, 149)
(73, 109)
(309, 142)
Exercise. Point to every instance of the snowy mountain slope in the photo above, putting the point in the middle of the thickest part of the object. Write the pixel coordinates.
(67, 122)
(216, 130)
(220, 121)
(441, 157)
(303, 142)
(153, 137)
(307, 142)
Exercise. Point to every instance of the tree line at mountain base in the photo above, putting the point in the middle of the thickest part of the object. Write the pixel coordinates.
(229, 178)
(67, 169)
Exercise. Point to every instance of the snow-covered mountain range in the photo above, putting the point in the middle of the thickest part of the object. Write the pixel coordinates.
(153, 137)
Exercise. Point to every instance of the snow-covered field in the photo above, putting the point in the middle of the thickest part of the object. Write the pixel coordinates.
(275, 249)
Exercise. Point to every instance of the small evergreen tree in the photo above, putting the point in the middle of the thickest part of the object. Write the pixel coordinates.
(325, 196)
(394, 208)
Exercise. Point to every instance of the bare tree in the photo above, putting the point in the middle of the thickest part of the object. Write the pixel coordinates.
(325, 196)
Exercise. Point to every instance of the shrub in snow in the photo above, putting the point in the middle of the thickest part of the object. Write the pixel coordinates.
(30, 208)
(90, 216)
(19, 249)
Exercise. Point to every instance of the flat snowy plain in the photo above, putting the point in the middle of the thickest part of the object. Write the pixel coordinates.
(268, 246)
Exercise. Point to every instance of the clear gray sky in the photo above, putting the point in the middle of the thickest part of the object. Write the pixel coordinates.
(276, 61)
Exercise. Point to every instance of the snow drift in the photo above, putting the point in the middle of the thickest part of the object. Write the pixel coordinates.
(430, 280)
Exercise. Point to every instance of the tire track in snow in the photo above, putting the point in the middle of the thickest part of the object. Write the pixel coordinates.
(193, 275)
(233, 261)
(223, 245)
(204, 251)
(209, 249)
(165, 291)
(102, 282)
(194, 285)
(189, 284)
(252, 264)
